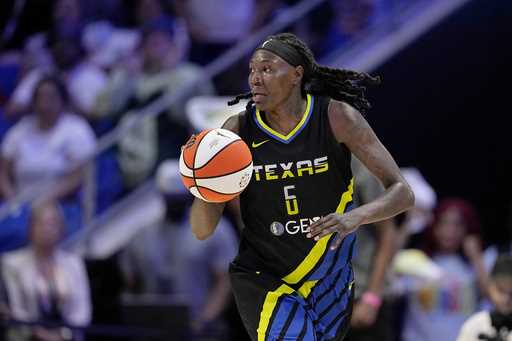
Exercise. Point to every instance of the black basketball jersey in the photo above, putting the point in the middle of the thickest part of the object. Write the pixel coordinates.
(297, 179)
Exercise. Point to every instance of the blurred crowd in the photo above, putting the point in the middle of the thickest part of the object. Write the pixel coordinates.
(73, 71)
(86, 68)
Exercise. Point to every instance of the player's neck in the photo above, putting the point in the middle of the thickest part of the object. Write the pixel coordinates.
(285, 117)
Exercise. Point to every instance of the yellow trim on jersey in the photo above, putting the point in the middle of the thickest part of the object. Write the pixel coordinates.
(268, 308)
(318, 250)
(291, 133)
(309, 262)
(306, 288)
(346, 197)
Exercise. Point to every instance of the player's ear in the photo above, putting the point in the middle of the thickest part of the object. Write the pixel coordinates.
(299, 73)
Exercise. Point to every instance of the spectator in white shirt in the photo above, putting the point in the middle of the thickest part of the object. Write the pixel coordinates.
(48, 144)
(45, 283)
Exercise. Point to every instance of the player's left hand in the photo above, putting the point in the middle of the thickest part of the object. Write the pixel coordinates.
(334, 222)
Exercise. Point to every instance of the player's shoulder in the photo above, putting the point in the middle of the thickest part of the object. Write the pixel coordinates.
(339, 110)
(342, 118)
(234, 122)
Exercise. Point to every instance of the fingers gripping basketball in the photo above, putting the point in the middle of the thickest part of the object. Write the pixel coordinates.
(217, 166)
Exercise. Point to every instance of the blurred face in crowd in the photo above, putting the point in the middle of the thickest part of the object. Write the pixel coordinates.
(271, 79)
(354, 15)
(46, 226)
(500, 291)
(48, 103)
(159, 51)
(67, 16)
(450, 230)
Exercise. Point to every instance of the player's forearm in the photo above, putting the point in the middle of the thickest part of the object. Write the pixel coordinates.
(396, 199)
(204, 217)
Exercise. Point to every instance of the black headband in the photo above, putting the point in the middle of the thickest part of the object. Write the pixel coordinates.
(287, 52)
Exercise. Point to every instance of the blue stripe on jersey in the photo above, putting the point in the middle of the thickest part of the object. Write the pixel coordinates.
(325, 294)
(299, 322)
(307, 331)
(280, 316)
(289, 320)
(327, 288)
(332, 329)
(342, 253)
(336, 306)
(340, 259)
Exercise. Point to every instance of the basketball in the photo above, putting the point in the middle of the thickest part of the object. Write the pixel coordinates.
(217, 166)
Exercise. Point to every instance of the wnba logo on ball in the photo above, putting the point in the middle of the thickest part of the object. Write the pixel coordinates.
(245, 180)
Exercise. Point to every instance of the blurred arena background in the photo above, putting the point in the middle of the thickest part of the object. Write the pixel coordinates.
(96, 98)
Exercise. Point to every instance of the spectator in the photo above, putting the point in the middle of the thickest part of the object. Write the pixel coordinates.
(107, 45)
(371, 318)
(49, 144)
(352, 18)
(44, 283)
(68, 19)
(215, 25)
(437, 310)
(160, 72)
(167, 259)
(59, 50)
(148, 12)
(497, 323)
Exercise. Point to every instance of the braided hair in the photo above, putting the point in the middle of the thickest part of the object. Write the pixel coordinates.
(339, 84)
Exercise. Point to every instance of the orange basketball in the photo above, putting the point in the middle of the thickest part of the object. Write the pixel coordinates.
(217, 166)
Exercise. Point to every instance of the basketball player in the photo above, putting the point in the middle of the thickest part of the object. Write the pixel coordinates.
(292, 278)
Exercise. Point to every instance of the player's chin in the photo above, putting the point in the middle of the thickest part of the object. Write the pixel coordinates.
(261, 102)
